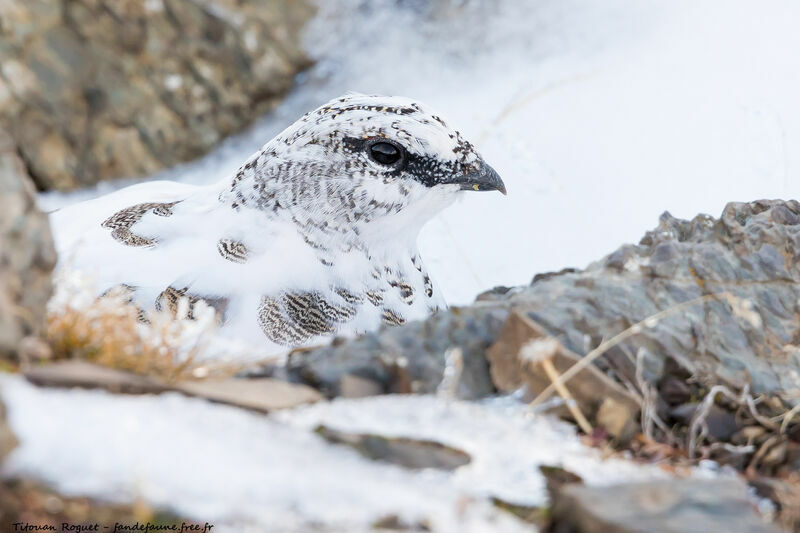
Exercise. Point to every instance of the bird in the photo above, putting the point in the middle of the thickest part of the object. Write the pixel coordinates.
(314, 236)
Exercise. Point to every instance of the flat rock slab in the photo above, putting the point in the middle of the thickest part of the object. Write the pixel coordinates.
(356, 387)
(259, 394)
(74, 373)
(676, 506)
(410, 453)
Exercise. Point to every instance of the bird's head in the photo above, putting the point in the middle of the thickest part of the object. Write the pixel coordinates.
(366, 159)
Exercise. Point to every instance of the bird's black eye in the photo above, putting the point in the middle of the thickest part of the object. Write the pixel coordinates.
(385, 153)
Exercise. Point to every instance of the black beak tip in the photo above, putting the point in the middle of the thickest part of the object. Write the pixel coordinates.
(488, 180)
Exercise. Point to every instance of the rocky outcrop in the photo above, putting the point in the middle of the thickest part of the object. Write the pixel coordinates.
(746, 330)
(97, 89)
(27, 256)
(688, 505)
(743, 330)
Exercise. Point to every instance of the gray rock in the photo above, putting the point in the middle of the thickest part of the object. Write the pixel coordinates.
(674, 506)
(409, 358)
(97, 89)
(76, 373)
(27, 256)
(751, 252)
(410, 453)
(356, 387)
(259, 394)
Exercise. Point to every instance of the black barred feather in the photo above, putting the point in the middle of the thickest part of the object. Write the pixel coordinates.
(121, 222)
(232, 250)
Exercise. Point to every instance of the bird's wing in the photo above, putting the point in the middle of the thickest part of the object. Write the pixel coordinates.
(78, 227)
(166, 240)
(90, 236)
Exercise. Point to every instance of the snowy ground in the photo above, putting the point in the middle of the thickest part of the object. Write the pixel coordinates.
(598, 115)
(252, 472)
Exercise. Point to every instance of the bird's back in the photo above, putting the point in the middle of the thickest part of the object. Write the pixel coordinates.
(270, 280)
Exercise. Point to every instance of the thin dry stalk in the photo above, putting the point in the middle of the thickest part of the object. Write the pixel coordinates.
(751, 407)
(762, 451)
(541, 352)
(788, 416)
(637, 328)
(698, 428)
(523, 100)
(648, 403)
(572, 405)
(733, 449)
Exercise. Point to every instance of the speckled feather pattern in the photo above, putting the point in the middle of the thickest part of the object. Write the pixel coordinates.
(311, 237)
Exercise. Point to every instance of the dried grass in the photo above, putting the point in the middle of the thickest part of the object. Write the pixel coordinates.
(108, 331)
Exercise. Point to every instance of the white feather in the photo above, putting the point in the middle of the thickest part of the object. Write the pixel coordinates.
(296, 188)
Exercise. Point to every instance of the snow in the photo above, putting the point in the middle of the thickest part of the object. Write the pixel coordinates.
(598, 115)
(232, 467)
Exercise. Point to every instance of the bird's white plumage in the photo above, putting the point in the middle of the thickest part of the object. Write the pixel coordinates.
(313, 236)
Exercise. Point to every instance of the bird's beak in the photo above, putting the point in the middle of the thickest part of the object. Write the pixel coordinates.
(484, 179)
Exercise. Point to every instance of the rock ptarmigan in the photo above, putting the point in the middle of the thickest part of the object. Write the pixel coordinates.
(314, 235)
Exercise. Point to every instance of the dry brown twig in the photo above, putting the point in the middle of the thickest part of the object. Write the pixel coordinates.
(787, 418)
(697, 426)
(541, 352)
(637, 328)
(762, 452)
(647, 395)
